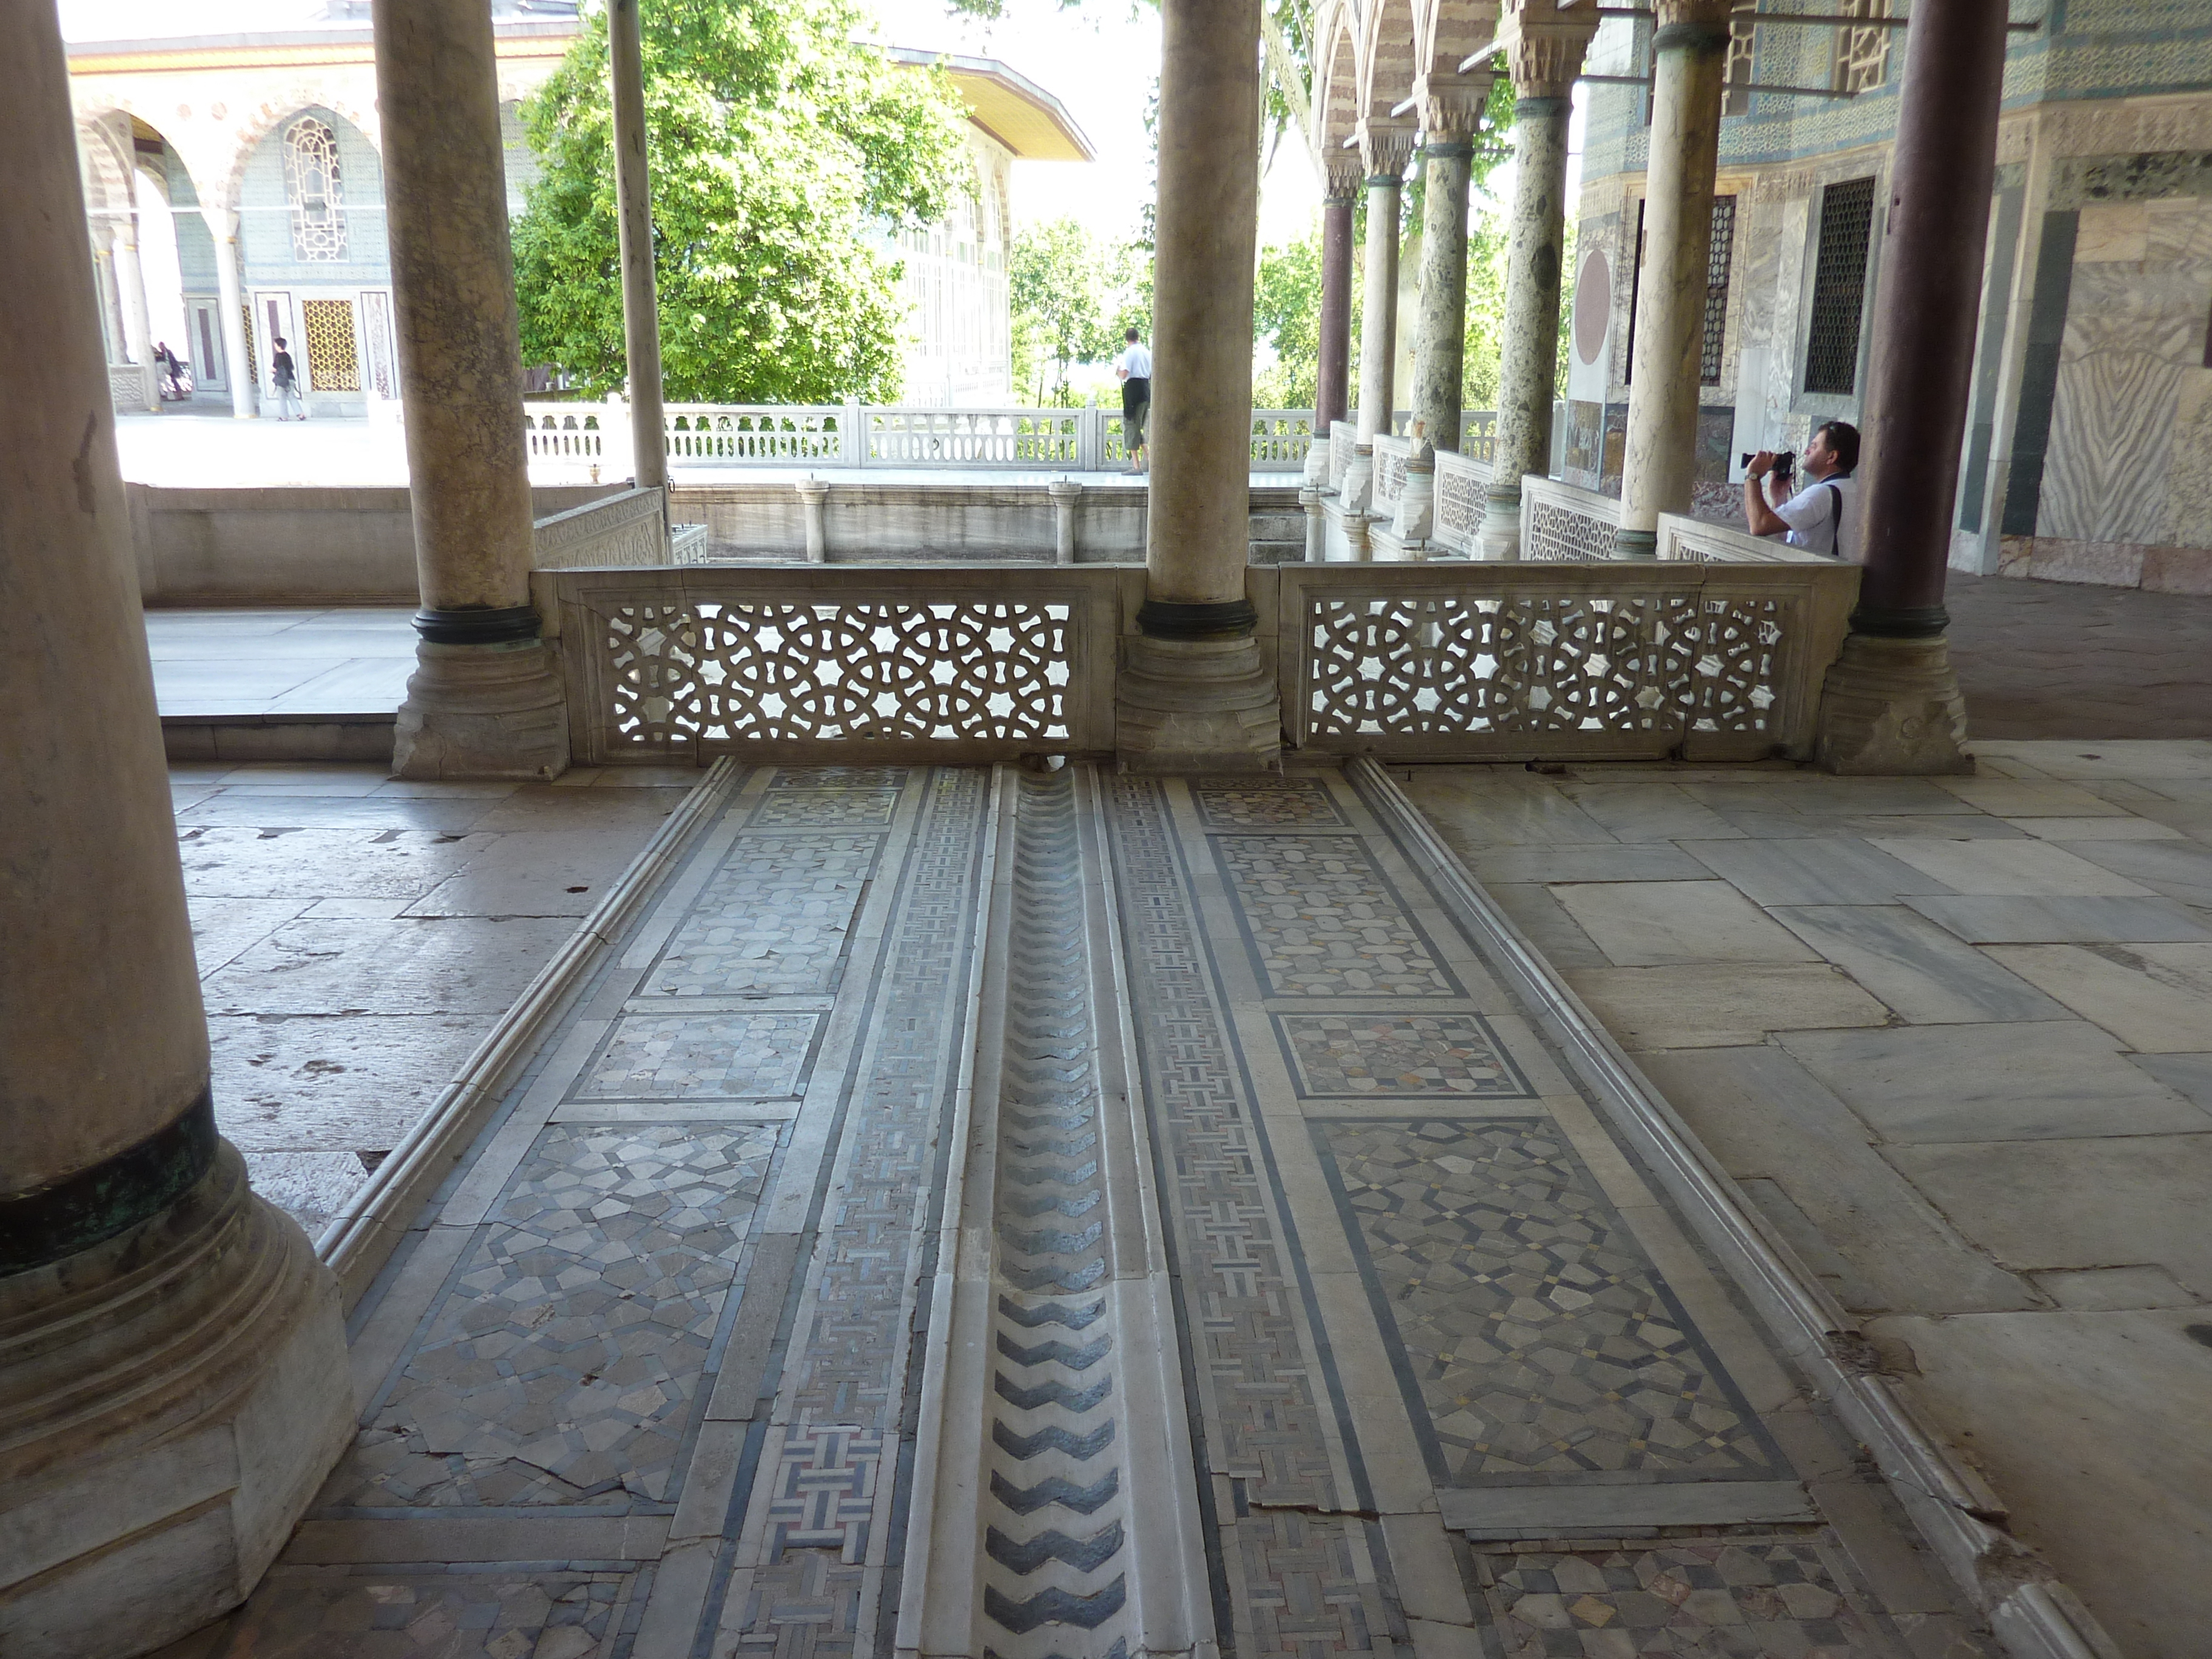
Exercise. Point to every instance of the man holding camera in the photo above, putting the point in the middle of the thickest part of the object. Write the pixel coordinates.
(1821, 517)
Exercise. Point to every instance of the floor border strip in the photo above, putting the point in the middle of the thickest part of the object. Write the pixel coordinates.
(1950, 1504)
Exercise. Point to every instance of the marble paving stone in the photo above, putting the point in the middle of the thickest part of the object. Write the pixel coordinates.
(1395, 1055)
(2078, 829)
(1649, 811)
(1723, 1005)
(1765, 1116)
(2014, 798)
(312, 863)
(827, 809)
(565, 1363)
(1657, 861)
(1811, 794)
(471, 965)
(230, 809)
(221, 928)
(2140, 760)
(310, 1187)
(2055, 1079)
(353, 1083)
(1324, 921)
(1928, 976)
(702, 1057)
(2004, 920)
(2156, 999)
(1545, 924)
(2187, 1075)
(2027, 869)
(636, 810)
(1640, 924)
(1538, 1338)
(773, 920)
(383, 1612)
(2114, 1290)
(1828, 870)
(1734, 1598)
(2179, 870)
(1937, 826)
(2121, 1199)
(554, 872)
(1481, 806)
(1265, 803)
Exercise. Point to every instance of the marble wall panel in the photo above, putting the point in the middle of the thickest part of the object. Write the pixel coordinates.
(2189, 465)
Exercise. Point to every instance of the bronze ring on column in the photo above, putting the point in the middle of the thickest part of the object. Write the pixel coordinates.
(482, 626)
(77, 1212)
(1222, 619)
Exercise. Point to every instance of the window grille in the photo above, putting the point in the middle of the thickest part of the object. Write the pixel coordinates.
(1737, 101)
(333, 360)
(1862, 55)
(1839, 273)
(311, 182)
(1717, 260)
(1717, 290)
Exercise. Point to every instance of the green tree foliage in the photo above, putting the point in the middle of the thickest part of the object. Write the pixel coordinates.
(1072, 295)
(1286, 320)
(780, 151)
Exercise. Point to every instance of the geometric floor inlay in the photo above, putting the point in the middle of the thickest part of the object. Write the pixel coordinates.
(1395, 1056)
(1265, 803)
(702, 1057)
(1537, 1340)
(1324, 921)
(565, 1362)
(774, 921)
(1738, 1599)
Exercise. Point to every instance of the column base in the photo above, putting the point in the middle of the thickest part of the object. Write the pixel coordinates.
(1499, 541)
(1197, 706)
(482, 711)
(1892, 706)
(1636, 546)
(170, 1401)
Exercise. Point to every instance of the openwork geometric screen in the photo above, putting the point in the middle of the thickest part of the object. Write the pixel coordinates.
(1559, 535)
(1717, 290)
(882, 671)
(1862, 58)
(312, 187)
(333, 360)
(1832, 348)
(1443, 664)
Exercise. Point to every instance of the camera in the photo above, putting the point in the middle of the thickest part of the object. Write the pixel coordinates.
(1785, 462)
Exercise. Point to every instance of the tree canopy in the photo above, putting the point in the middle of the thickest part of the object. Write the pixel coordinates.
(1072, 294)
(783, 154)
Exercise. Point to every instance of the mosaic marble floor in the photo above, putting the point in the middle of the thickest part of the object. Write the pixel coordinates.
(993, 1212)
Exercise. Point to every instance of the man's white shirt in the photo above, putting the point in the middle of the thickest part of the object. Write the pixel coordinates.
(1136, 362)
(1811, 516)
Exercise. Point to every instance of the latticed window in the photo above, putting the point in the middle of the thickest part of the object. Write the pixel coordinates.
(1862, 55)
(1717, 290)
(1839, 273)
(1737, 101)
(333, 358)
(311, 184)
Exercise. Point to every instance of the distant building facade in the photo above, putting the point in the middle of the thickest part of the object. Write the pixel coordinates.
(2089, 452)
(257, 156)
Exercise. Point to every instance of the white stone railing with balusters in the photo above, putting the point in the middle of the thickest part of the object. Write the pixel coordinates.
(1458, 661)
(1560, 523)
(575, 440)
(629, 527)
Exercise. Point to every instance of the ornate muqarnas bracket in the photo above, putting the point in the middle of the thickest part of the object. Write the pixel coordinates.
(1545, 44)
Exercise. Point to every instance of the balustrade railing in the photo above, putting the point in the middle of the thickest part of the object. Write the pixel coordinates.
(1696, 659)
(1683, 540)
(1560, 523)
(1392, 453)
(574, 440)
(1463, 486)
(629, 527)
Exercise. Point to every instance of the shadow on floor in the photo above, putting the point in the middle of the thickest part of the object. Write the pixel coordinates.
(2064, 660)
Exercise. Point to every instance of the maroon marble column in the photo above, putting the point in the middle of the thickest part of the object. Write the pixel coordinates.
(1891, 702)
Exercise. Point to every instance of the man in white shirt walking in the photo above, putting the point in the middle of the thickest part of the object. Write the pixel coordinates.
(1820, 517)
(1134, 368)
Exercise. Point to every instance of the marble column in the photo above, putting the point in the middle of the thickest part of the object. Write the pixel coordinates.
(138, 322)
(1332, 382)
(1545, 55)
(1449, 116)
(1689, 59)
(1890, 702)
(172, 1373)
(1384, 149)
(1193, 693)
(222, 228)
(634, 205)
(485, 699)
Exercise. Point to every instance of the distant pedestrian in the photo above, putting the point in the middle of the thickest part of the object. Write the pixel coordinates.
(1134, 368)
(172, 372)
(286, 380)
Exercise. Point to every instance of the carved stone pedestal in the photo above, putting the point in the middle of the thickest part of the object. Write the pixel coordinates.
(1892, 706)
(482, 711)
(1197, 706)
(170, 1399)
(1499, 541)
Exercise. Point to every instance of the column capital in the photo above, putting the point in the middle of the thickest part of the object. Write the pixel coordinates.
(1544, 45)
(1451, 105)
(1344, 172)
(1706, 18)
(1385, 148)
